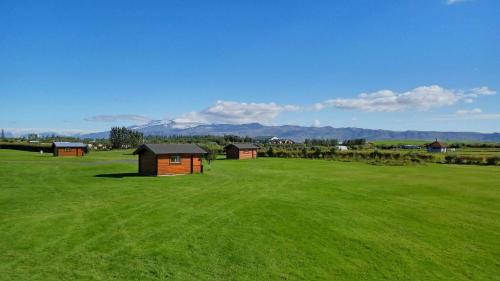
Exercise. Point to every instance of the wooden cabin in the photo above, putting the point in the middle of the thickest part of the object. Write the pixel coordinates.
(241, 151)
(69, 148)
(169, 159)
(437, 146)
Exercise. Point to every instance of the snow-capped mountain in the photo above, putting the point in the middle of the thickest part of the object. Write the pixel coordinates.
(297, 133)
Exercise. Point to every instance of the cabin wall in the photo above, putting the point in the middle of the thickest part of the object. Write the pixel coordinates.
(189, 164)
(197, 164)
(147, 163)
(247, 153)
(437, 149)
(73, 151)
(232, 152)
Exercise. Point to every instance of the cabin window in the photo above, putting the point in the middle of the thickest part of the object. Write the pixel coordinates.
(176, 159)
(67, 149)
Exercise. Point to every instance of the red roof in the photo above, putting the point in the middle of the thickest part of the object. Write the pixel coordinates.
(437, 144)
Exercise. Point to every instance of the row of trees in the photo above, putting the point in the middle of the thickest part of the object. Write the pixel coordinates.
(334, 142)
(200, 139)
(472, 160)
(121, 137)
(321, 142)
(353, 142)
(475, 145)
(352, 155)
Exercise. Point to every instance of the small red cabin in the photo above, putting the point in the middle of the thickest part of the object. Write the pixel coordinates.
(241, 151)
(69, 148)
(169, 159)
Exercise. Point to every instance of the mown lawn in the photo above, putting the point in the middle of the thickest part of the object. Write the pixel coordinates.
(92, 218)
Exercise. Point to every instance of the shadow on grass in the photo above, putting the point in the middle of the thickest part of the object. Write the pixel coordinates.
(118, 175)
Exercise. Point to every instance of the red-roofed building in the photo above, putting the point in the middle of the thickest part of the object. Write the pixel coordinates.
(436, 146)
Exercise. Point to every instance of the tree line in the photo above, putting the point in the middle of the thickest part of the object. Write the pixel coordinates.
(121, 137)
(207, 139)
(321, 142)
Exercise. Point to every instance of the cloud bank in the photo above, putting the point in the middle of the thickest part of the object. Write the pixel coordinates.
(469, 114)
(231, 112)
(421, 98)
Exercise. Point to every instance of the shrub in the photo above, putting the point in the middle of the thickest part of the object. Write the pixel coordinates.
(493, 160)
(450, 159)
(270, 152)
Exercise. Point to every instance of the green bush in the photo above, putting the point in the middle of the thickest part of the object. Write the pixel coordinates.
(493, 160)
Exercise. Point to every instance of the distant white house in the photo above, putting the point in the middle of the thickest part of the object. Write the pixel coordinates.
(272, 140)
(276, 140)
(341, 148)
(437, 147)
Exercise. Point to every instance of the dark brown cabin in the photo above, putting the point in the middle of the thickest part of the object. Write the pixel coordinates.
(69, 148)
(241, 151)
(169, 159)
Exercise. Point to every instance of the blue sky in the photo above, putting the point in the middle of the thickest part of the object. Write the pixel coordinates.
(89, 65)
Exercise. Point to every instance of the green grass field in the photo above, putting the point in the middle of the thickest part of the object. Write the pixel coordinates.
(92, 218)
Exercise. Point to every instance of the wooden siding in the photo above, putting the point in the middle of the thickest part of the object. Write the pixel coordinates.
(189, 164)
(147, 163)
(197, 164)
(233, 152)
(248, 153)
(74, 151)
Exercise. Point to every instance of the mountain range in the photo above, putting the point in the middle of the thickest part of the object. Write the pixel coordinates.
(298, 133)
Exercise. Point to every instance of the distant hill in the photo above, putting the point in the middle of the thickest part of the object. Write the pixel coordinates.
(299, 133)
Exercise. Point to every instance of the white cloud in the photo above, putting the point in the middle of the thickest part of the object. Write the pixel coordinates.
(469, 114)
(318, 106)
(119, 117)
(230, 112)
(316, 123)
(464, 112)
(420, 98)
(477, 92)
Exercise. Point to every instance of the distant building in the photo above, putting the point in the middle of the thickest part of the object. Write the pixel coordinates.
(437, 147)
(341, 147)
(276, 140)
(169, 159)
(97, 146)
(241, 151)
(69, 148)
(410, 146)
(273, 140)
